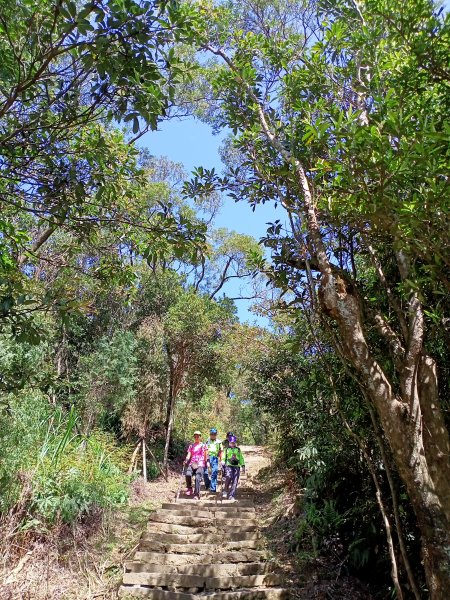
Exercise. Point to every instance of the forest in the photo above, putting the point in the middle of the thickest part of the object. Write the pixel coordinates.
(119, 292)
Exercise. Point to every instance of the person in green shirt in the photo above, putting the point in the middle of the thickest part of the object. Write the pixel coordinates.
(225, 445)
(214, 447)
(234, 461)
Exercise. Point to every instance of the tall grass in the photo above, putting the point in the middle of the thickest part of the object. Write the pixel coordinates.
(51, 472)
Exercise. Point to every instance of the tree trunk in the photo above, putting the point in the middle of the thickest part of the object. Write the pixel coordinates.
(133, 458)
(144, 461)
(169, 422)
(413, 424)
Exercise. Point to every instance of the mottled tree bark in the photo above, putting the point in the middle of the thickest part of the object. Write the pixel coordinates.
(411, 419)
(412, 422)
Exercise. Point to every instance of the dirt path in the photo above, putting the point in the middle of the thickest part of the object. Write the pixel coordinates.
(208, 549)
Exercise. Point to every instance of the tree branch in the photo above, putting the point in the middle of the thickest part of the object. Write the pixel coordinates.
(395, 345)
(223, 278)
(391, 298)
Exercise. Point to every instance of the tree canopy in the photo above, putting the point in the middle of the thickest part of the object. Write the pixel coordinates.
(117, 323)
(338, 113)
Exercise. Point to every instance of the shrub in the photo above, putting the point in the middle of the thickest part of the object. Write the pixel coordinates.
(67, 475)
(87, 475)
(23, 425)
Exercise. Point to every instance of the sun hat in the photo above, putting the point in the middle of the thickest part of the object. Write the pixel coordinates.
(213, 430)
(197, 432)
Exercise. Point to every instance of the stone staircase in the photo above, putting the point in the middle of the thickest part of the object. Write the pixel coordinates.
(207, 549)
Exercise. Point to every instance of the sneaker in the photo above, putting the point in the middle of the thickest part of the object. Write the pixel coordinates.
(211, 491)
(231, 499)
(197, 498)
(189, 492)
(224, 495)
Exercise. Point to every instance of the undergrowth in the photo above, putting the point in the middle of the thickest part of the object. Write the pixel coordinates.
(50, 473)
(310, 537)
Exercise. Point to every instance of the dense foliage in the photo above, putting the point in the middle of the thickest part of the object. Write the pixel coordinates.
(325, 437)
(115, 325)
(109, 282)
(337, 112)
(71, 72)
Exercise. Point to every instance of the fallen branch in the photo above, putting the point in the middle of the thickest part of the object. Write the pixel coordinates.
(133, 458)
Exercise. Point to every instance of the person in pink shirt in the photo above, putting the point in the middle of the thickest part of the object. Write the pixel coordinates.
(196, 461)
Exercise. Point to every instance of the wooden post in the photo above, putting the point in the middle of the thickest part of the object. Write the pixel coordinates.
(144, 461)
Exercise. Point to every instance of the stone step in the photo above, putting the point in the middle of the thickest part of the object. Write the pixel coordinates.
(175, 580)
(243, 556)
(212, 497)
(238, 502)
(211, 506)
(177, 529)
(193, 521)
(206, 493)
(220, 488)
(243, 495)
(196, 538)
(202, 549)
(209, 549)
(205, 570)
(220, 528)
(155, 594)
(224, 503)
(198, 511)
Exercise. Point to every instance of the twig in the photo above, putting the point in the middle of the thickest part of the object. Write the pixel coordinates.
(158, 464)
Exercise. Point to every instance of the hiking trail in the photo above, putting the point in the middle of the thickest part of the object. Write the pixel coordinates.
(208, 548)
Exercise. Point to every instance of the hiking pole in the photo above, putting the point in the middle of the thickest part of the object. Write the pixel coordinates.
(181, 483)
(217, 488)
(221, 485)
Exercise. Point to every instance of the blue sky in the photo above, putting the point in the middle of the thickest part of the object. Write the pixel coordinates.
(191, 143)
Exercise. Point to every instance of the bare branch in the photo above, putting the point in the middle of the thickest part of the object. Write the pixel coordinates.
(223, 278)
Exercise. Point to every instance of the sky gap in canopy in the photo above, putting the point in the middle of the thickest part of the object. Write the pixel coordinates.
(190, 142)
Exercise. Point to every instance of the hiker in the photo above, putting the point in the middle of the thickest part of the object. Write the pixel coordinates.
(214, 447)
(225, 445)
(196, 460)
(226, 441)
(234, 461)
